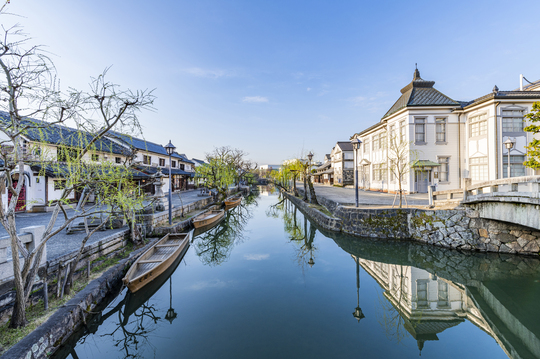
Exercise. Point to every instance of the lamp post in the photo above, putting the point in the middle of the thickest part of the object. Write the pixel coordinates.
(358, 311)
(508, 144)
(170, 149)
(356, 145)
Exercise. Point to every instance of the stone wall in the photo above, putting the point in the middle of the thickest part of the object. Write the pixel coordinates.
(323, 220)
(464, 229)
(460, 228)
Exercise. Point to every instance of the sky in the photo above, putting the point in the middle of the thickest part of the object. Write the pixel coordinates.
(278, 79)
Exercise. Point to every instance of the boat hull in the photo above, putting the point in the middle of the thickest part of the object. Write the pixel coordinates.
(136, 278)
(199, 222)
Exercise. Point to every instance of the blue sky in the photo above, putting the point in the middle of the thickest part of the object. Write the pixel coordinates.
(278, 78)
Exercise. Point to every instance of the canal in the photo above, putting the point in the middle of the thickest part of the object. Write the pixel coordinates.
(268, 283)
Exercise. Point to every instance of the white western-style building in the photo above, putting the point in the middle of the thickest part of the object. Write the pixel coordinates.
(446, 140)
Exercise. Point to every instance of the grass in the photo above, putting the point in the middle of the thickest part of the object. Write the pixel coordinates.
(322, 209)
(36, 314)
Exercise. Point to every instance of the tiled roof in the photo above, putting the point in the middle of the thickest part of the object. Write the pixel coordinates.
(345, 145)
(420, 92)
(506, 95)
(182, 157)
(62, 135)
(139, 144)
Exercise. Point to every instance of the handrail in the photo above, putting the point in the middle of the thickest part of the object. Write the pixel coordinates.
(503, 181)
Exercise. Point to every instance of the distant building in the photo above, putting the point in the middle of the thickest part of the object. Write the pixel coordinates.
(343, 163)
(265, 170)
(324, 173)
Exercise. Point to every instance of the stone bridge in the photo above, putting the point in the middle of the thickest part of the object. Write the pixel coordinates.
(514, 200)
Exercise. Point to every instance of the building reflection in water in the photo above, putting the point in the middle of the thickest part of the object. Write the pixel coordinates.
(424, 305)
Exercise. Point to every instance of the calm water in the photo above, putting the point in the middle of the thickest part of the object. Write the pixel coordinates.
(266, 283)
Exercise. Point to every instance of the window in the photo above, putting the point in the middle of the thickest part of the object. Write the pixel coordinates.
(349, 164)
(443, 170)
(402, 130)
(442, 300)
(382, 140)
(59, 185)
(422, 293)
(378, 171)
(479, 169)
(95, 158)
(182, 167)
(173, 164)
(392, 132)
(512, 121)
(420, 130)
(517, 168)
(117, 160)
(366, 146)
(162, 162)
(478, 125)
(65, 154)
(440, 129)
(375, 142)
(147, 160)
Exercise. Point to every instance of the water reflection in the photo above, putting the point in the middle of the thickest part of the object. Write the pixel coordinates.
(214, 245)
(426, 290)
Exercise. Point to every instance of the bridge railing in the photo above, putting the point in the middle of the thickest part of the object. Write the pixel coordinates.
(524, 186)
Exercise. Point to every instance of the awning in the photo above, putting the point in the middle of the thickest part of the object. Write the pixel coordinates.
(165, 170)
(425, 163)
(61, 170)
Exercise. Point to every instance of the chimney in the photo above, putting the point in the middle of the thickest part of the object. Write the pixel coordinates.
(521, 82)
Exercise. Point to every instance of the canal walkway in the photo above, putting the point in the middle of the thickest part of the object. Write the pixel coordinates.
(368, 199)
(64, 243)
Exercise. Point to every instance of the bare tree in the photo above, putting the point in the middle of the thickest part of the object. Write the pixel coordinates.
(400, 159)
(34, 102)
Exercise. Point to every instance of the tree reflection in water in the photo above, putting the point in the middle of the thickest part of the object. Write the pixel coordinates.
(214, 246)
(300, 232)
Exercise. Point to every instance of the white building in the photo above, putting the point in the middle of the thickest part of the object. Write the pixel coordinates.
(447, 140)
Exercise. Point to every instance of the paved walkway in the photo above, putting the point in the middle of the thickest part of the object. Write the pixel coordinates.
(64, 243)
(366, 198)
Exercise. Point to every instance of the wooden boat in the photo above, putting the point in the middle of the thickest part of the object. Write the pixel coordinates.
(207, 218)
(156, 260)
(233, 201)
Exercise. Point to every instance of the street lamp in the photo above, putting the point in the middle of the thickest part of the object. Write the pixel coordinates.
(170, 149)
(508, 144)
(358, 311)
(356, 145)
(310, 157)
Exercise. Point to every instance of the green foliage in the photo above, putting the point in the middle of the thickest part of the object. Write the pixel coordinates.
(533, 148)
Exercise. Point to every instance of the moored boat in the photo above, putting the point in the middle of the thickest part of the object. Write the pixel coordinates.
(156, 260)
(208, 218)
(233, 201)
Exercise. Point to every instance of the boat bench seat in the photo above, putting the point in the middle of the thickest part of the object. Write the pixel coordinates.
(166, 245)
(150, 261)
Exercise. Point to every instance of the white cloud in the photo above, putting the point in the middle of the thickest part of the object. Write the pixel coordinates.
(208, 73)
(256, 257)
(309, 89)
(255, 99)
(208, 284)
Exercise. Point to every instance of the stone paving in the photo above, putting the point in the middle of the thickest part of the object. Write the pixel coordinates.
(366, 198)
(64, 243)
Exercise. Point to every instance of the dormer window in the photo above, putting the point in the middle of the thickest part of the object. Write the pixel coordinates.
(173, 164)
(147, 160)
(162, 162)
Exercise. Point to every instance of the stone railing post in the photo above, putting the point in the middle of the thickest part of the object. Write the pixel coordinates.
(37, 236)
(430, 194)
(466, 184)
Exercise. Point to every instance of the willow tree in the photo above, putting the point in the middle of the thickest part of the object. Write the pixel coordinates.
(34, 102)
(225, 166)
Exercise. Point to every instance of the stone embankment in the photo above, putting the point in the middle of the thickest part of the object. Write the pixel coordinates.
(459, 228)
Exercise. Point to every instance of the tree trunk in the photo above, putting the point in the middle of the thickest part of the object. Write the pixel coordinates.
(400, 195)
(305, 189)
(312, 195)
(295, 190)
